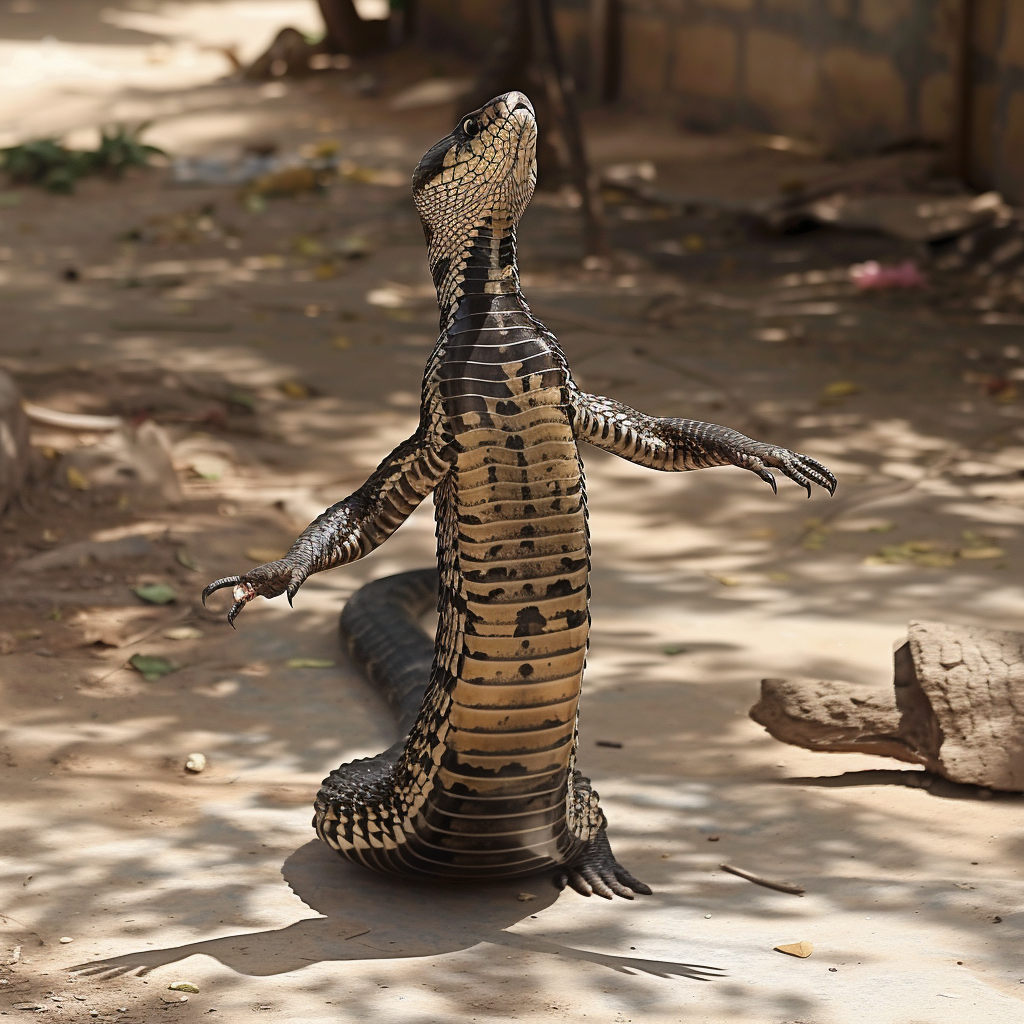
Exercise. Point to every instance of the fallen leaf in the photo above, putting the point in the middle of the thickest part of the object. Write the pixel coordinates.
(913, 552)
(526, 897)
(263, 555)
(726, 581)
(293, 389)
(156, 593)
(673, 649)
(310, 663)
(800, 949)
(152, 666)
(77, 479)
(185, 559)
(840, 389)
(183, 986)
(981, 552)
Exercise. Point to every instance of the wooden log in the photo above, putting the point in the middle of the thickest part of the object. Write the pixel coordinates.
(957, 707)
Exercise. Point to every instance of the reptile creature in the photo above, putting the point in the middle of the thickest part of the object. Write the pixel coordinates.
(484, 782)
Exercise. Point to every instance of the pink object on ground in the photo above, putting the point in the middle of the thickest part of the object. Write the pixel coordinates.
(872, 275)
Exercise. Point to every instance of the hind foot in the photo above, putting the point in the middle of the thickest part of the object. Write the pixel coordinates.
(597, 871)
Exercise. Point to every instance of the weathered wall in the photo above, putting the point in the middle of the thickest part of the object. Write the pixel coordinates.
(996, 158)
(857, 75)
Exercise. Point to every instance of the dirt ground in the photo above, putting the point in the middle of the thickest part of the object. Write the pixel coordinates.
(268, 355)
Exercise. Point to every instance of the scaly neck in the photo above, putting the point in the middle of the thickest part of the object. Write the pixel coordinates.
(483, 263)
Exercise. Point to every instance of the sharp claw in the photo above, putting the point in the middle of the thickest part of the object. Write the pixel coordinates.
(233, 613)
(769, 479)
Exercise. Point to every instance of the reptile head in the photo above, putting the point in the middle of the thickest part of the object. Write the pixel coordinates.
(483, 172)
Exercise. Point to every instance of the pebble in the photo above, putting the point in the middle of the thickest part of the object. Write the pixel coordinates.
(66, 938)
(707, 917)
(195, 763)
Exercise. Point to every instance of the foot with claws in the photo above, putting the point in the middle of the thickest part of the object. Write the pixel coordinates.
(801, 469)
(269, 580)
(598, 872)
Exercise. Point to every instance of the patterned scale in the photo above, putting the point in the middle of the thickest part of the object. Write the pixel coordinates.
(484, 784)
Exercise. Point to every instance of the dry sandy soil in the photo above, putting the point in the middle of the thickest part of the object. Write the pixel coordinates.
(276, 353)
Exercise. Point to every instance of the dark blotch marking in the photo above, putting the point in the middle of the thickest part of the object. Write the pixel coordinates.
(526, 670)
(574, 618)
(515, 442)
(507, 409)
(529, 622)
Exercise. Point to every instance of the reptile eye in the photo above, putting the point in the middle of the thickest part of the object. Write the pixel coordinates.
(470, 127)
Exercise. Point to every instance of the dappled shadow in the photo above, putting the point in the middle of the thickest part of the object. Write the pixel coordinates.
(703, 584)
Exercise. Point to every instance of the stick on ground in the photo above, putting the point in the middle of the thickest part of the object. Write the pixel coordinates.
(793, 890)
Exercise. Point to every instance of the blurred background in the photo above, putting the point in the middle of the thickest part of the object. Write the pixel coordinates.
(799, 218)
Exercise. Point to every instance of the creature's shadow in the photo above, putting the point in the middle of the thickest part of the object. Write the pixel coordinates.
(370, 917)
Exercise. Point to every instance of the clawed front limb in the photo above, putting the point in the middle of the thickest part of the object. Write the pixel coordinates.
(677, 444)
(348, 530)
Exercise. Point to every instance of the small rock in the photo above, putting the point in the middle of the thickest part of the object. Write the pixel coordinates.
(800, 949)
(195, 763)
(184, 986)
(525, 897)
(66, 938)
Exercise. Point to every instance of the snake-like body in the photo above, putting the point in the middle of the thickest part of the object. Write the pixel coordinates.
(484, 783)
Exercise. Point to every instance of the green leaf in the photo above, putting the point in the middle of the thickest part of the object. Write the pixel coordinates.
(185, 559)
(152, 666)
(156, 593)
(310, 663)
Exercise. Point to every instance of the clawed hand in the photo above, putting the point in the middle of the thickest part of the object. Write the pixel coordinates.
(269, 580)
(801, 469)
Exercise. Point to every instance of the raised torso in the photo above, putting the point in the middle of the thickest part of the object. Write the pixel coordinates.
(514, 560)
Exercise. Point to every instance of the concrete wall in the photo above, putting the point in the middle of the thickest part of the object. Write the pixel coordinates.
(996, 113)
(856, 75)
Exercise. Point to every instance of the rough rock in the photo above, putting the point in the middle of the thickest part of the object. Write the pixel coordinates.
(957, 707)
(14, 446)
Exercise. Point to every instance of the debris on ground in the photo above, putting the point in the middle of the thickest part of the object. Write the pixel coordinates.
(195, 763)
(956, 707)
(71, 420)
(156, 593)
(787, 887)
(874, 276)
(129, 460)
(51, 165)
(184, 986)
(800, 949)
(152, 666)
